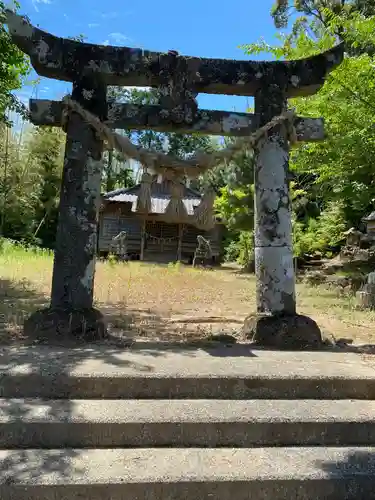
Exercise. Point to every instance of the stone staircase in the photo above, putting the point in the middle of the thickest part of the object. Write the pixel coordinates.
(155, 422)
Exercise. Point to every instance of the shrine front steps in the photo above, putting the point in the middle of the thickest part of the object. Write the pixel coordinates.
(185, 423)
(252, 426)
(189, 473)
(161, 371)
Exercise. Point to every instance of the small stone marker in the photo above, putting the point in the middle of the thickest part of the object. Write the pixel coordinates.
(366, 296)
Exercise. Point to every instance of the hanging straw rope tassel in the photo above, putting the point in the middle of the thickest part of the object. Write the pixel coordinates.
(291, 131)
(144, 204)
(204, 217)
(176, 210)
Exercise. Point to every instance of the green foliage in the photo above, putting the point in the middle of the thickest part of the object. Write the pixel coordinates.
(310, 14)
(334, 180)
(46, 146)
(30, 177)
(322, 235)
(246, 249)
(16, 188)
(78, 38)
(112, 260)
(343, 164)
(232, 250)
(240, 249)
(14, 68)
(235, 207)
(19, 249)
(235, 204)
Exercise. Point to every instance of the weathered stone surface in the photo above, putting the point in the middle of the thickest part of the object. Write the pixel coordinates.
(309, 129)
(275, 279)
(273, 220)
(212, 122)
(366, 296)
(75, 249)
(287, 331)
(61, 325)
(71, 313)
(64, 59)
(177, 92)
(365, 299)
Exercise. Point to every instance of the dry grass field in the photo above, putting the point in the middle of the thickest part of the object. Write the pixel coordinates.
(166, 302)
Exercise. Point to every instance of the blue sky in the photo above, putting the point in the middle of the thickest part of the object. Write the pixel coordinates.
(207, 28)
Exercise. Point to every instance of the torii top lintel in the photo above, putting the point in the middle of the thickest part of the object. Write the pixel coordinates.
(66, 59)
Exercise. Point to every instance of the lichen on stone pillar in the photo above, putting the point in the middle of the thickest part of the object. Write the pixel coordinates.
(273, 224)
(71, 312)
(275, 322)
(177, 93)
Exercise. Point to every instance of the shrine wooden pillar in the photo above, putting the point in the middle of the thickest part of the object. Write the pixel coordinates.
(143, 235)
(179, 246)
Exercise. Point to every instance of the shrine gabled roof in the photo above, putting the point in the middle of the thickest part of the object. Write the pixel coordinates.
(66, 59)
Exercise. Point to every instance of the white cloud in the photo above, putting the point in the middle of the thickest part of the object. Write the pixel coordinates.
(109, 15)
(116, 39)
(119, 38)
(38, 2)
(93, 25)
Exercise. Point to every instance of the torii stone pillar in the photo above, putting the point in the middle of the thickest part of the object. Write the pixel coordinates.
(71, 312)
(276, 323)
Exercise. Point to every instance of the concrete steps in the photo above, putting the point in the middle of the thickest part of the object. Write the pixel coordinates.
(100, 423)
(259, 473)
(184, 387)
(150, 371)
(184, 423)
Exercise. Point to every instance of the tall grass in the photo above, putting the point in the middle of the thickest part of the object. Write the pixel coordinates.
(20, 262)
(21, 249)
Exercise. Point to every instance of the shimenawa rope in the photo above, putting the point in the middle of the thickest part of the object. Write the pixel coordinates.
(160, 162)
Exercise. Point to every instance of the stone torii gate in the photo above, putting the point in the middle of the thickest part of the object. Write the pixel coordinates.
(91, 68)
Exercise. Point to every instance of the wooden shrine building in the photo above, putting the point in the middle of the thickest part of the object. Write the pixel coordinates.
(152, 236)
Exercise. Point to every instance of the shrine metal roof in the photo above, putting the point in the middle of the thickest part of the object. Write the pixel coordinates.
(160, 197)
